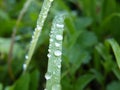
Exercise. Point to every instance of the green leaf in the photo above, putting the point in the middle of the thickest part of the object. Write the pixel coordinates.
(34, 80)
(3, 15)
(10, 88)
(23, 82)
(116, 72)
(115, 85)
(116, 50)
(83, 22)
(5, 45)
(1, 86)
(110, 26)
(109, 7)
(82, 81)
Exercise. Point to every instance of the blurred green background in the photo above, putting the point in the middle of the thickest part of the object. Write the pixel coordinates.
(88, 64)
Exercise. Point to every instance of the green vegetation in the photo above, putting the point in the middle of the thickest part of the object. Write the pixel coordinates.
(90, 45)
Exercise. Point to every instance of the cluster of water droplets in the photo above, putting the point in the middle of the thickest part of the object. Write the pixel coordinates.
(25, 65)
(33, 43)
(55, 47)
(54, 55)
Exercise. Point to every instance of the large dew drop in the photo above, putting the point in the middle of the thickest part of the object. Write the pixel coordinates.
(48, 76)
(59, 37)
(60, 25)
(57, 53)
(24, 66)
(56, 87)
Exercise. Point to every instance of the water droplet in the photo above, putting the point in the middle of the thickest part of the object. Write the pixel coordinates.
(59, 66)
(59, 37)
(38, 27)
(57, 44)
(32, 36)
(49, 55)
(50, 0)
(31, 41)
(60, 25)
(44, 16)
(48, 76)
(57, 53)
(56, 87)
(49, 50)
(34, 33)
(24, 66)
(60, 60)
(26, 57)
(51, 40)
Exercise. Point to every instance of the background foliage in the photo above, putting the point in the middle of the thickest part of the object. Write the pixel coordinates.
(88, 62)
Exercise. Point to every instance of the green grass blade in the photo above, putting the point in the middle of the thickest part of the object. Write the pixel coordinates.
(116, 49)
(53, 74)
(40, 22)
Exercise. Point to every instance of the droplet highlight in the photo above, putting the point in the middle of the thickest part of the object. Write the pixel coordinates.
(57, 44)
(26, 57)
(59, 37)
(24, 66)
(57, 53)
(48, 76)
(51, 40)
(50, 0)
(59, 66)
(49, 55)
(38, 27)
(60, 25)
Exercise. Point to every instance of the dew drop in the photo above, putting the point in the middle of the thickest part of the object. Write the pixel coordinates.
(34, 32)
(48, 76)
(59, 66)
(56, 87)
(49, 50)
(44, 16)
(60, 25)
(24, 66)
(26, 57)
(32, 36)
(57, 44)
(57, 53)
(38, 27)
(51, 40)
(49, 55)
(50, 0)
(31, 41)
(59, 37)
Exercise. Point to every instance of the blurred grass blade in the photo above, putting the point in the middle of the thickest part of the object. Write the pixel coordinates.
(116, 49)
(1, 86)
(83, 81)
(23, 82)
